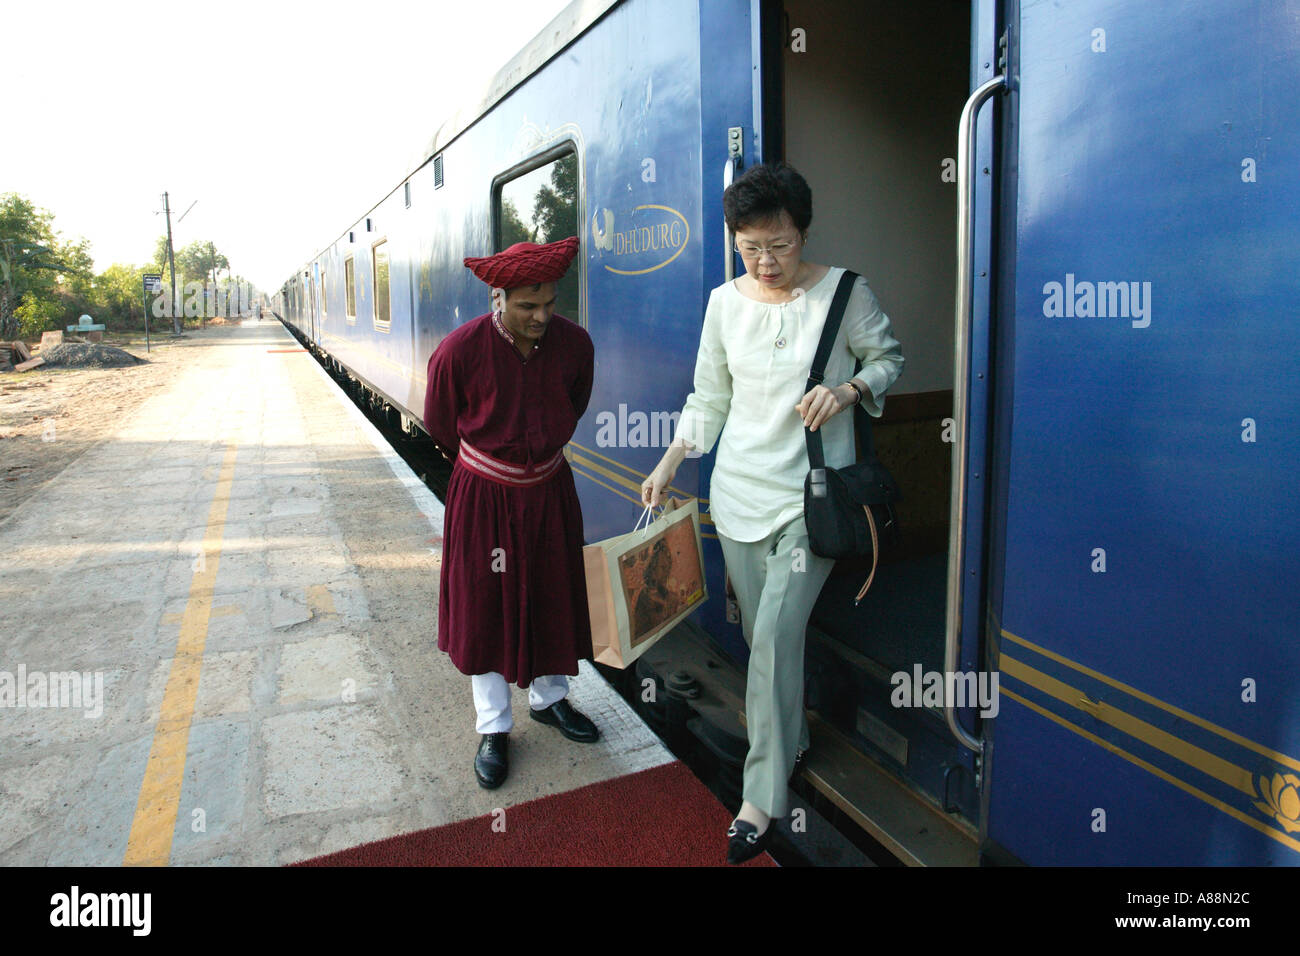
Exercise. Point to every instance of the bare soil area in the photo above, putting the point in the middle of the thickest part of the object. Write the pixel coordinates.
(52, 415)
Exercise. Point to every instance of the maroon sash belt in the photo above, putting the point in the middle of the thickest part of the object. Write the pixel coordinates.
(505, 472)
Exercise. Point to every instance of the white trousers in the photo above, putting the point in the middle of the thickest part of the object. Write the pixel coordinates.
(492, 699)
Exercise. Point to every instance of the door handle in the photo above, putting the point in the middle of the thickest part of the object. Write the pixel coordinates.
(728, 260)
(960, 391)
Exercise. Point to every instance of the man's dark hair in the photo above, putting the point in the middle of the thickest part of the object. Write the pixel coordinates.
(762, 192)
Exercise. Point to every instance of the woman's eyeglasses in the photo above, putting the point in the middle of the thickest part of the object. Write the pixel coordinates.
(750, 250)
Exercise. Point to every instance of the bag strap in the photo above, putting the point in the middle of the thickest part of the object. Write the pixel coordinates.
(816, 458)
(861, 421)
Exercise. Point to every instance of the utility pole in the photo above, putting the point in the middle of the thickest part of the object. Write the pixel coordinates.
(212, 260)
(171, 259)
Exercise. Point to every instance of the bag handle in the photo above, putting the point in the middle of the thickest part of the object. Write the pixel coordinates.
(875, 557)
(648, 519)
(670, 504)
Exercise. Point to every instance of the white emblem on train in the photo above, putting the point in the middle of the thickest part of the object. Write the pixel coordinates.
(655, 237)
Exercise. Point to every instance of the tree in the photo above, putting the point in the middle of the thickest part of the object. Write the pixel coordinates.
(513, 228)
(159, 263)
(120, 289)
(200, 261)
(556, 208)
(76, 280)
(30, 263)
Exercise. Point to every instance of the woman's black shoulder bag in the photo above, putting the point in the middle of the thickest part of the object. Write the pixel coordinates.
(846, 509)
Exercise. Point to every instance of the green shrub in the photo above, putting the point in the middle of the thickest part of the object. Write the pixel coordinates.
(36, 316)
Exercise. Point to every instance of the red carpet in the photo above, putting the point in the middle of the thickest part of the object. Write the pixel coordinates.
(658, 817)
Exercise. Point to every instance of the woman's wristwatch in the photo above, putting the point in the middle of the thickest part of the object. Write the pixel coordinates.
(856, 391)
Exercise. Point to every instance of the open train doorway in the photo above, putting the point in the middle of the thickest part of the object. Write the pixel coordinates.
(871, 93)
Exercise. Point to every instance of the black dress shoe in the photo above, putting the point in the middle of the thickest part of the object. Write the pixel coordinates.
(744, 842)
(492, 763)
(568, 721)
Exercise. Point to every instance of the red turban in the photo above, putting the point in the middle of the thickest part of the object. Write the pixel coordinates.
(525, 263)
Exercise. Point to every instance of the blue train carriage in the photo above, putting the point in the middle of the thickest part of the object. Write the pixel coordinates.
(1143, 525)
(1114, 222)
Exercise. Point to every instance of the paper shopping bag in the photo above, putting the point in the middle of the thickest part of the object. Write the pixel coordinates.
(641, 584)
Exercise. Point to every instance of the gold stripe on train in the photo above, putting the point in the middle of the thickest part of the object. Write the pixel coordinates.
(577, 470)
(634, 486)
(1151, 768)
(1284, 759)
(640, 478)
(1176, 747)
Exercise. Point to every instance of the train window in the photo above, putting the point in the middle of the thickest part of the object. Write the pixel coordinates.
(406, 189)
(541, 205)
(323, 298)
(350, 277)
(437, 171)
(383, 317)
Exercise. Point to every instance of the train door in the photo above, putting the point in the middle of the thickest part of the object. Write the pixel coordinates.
(1147, 599)
(314, 283)
(871, 94)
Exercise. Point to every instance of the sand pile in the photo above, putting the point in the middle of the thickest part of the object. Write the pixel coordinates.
(88, 355)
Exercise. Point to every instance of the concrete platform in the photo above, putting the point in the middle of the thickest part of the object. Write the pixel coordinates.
(234, 599)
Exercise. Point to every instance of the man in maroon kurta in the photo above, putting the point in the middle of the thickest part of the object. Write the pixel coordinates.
(505, 393)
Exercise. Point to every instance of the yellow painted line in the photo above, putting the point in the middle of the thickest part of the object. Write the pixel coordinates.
(1176, 747)
(1162, 774)
(150, 842)
(221, 610)
(1201, 722)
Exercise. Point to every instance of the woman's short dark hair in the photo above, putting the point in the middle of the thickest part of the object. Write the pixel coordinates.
(762, 192)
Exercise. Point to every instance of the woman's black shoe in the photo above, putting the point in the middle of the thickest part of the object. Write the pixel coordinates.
(744, 842)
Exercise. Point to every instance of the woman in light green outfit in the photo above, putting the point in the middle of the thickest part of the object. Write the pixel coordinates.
(756, 349)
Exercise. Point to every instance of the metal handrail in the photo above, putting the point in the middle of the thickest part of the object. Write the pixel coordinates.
(960, 387)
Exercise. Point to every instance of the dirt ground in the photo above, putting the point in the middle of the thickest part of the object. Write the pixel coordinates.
(49, 417)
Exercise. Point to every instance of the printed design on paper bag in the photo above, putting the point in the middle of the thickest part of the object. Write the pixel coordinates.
(661, 579)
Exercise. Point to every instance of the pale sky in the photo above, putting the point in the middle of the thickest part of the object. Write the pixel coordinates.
(285, 121)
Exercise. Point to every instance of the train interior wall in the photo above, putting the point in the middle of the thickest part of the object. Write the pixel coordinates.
(871, 110)
(872, 97)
